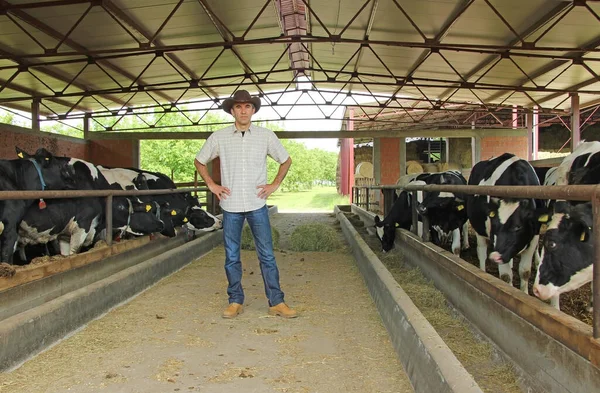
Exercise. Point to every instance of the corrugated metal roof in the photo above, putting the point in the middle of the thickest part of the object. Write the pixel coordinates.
(98, 55)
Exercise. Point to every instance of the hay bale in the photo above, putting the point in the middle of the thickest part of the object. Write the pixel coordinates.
(413, 167)
(248, 239)
(314, 237)
(448, 166)
(364, 169)
(430, 168)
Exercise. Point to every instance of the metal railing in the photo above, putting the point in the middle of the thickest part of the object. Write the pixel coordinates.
(108, 194)
(569, 192)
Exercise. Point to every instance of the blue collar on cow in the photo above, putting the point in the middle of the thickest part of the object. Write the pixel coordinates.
(39, 171)
(41, 203)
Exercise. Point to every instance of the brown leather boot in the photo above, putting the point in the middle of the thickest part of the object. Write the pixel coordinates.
(283, 310)
(233, 310)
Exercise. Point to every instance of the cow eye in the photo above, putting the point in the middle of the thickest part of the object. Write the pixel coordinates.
(551, 244)
(517, 228)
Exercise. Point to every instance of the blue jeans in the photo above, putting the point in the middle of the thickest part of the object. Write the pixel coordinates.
(258, 220)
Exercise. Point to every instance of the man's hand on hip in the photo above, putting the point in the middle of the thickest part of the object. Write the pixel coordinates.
(266, 190)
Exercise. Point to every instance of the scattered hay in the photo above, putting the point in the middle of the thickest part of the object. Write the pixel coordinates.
(46, 259)
(476, 355)
(169, 370)
(7, 270)
(232, 373)
(248, 240)
(314, 237)
(100, 244)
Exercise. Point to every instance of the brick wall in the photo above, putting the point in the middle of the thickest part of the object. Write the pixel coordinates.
(30, 141)
(494, 146)
(110, 152)
(390, 160)
(116, 153)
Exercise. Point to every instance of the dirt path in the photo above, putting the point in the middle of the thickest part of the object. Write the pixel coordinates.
(172, 338)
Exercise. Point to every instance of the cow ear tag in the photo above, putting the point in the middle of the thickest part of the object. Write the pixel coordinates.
(543, 218)
(492, 214)
(185, 219)
(460, 207)
(42, 204)
(173, 213)
(148, 208)
(397, 225)
(20, 155)
(582, 237)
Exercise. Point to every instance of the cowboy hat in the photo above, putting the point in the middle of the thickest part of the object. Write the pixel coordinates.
(240, 96)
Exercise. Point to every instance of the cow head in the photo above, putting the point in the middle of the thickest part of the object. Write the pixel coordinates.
(163, 212)
(135, 217)
(201, 220)
(567, 252)
(514, 223)
(386, 233)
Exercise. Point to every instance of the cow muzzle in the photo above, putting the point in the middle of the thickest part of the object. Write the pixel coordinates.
(497, 258)
(421, 209)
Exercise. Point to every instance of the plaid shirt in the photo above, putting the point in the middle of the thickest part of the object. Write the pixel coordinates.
(243, 163)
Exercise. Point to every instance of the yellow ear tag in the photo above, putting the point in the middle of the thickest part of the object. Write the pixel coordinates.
(148, 208)
(173, 213)
(543, 218)
(185, 219)
(460, 207)
(492, 214)
(20, 155)
(397, 225)
(47, 159)
(582, 237)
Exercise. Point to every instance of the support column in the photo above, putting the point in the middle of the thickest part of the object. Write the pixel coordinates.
(377, 160)
(86, 127)
(402, 154)
(475, 147)
(347, 160)
(575, 131)
(532, 134)
(35, 114)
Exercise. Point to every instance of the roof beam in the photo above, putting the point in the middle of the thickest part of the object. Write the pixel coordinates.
(123, 17)
(558, 9)
(229, 37)
(44, 28)
(452, 133)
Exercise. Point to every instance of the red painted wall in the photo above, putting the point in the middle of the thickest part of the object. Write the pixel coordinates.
(390, 160)
(494, 146)
(110, 152)
(30, 141)
(117, 153)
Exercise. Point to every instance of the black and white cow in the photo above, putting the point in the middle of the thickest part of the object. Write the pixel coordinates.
(31, 173)
(399, 216)
(510, 224)
(188, 210)
(80, 220)
(445, 211)
(567, 252)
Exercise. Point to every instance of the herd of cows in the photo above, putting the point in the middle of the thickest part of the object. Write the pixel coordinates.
(511, 226)
(70, 225)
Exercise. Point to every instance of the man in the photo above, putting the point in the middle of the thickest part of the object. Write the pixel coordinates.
(243, 149)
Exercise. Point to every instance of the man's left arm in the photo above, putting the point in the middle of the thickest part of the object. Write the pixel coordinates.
(268, 189)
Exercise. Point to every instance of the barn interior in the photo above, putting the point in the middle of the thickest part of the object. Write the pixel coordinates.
(407, 82)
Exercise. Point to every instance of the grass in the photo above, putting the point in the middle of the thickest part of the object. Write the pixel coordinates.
(319, 199)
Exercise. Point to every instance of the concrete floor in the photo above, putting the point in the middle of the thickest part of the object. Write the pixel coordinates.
(172, 337)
